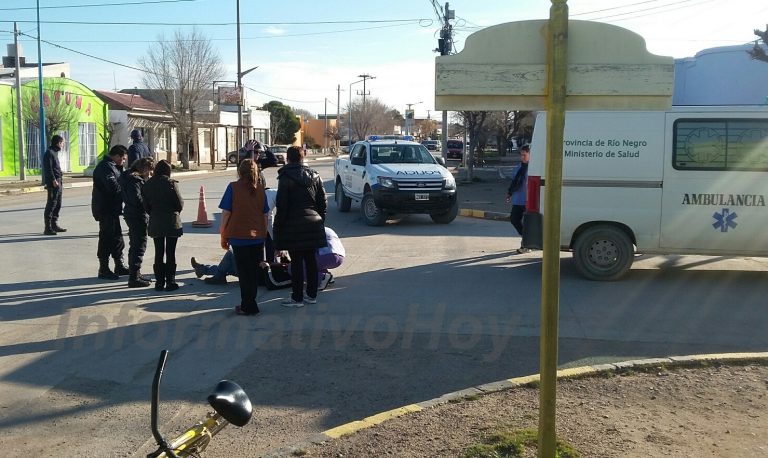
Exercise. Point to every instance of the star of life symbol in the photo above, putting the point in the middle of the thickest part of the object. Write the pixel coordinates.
(724, 220)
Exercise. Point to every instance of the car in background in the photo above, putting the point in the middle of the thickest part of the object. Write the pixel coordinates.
(455, 149)
(279, 151)
(431, 145)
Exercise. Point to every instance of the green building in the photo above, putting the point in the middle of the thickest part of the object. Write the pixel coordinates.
(71, 110)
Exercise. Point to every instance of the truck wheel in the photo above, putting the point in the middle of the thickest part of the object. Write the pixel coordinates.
(372, 214)
(232, 157)
(343, 203)
(447, 216)
(603, 253)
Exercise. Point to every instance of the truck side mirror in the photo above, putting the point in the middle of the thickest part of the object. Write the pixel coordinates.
(440, 160)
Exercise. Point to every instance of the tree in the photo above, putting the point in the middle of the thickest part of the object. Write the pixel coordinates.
(61, 108)
(283, 123)
(758, 52)
(474, 122)
(373, 118)
(183, 69)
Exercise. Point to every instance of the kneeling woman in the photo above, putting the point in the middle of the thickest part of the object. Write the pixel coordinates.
(244, 227)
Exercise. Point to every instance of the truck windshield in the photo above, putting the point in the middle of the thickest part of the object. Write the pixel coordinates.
(400, 154)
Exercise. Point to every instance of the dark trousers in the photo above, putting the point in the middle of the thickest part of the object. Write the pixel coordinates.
(516, 217)
(110, 238)
(247, 259)
(301, 260)
(137, 242)
(165, 246)
(52, 206)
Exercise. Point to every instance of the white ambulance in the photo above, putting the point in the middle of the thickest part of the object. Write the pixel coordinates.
(692, 180)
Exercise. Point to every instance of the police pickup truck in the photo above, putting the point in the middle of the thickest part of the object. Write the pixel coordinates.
(394, 176)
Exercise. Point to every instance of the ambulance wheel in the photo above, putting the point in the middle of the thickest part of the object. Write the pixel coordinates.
(447, 216)
(343, 203)
(603, 253)
(372, 214)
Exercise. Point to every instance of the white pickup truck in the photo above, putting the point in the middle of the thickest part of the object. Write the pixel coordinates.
(394, 176)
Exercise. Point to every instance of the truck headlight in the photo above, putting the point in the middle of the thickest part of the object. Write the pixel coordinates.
(449, 183)
(386, 182)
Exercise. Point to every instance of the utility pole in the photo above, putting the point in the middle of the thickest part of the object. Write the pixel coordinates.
(445, 46)
(325, 134)
(239, 136)
(336, 143)
(364, 77)
(19, 120)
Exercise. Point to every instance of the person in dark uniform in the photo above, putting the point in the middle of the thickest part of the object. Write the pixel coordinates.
(131, 183)
(138, 149)
(53, 184)
(107, 206)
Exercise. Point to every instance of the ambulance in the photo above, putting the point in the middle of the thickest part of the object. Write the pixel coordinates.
(691, 180)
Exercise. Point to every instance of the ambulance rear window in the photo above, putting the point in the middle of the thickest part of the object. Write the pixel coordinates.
(720, 144)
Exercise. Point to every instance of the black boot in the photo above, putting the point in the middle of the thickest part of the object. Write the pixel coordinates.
(134, 281)
(48, 228)
(170, 277)
(120, 268)
(55, 226)
(144, 277)
(159, 270)
(104, 272)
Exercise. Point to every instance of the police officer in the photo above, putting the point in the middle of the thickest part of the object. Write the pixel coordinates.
(52, 182)
(107, 206)
(138, 149)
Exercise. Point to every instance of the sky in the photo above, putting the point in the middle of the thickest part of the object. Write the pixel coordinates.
(305, 50)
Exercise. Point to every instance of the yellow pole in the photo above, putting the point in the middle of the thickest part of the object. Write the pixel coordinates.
(557, 47)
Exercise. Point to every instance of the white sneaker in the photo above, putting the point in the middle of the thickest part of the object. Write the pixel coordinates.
(291, 303)
(310, 300)
(327, 277)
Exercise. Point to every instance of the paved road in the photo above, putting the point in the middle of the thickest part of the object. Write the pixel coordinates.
(418, 310)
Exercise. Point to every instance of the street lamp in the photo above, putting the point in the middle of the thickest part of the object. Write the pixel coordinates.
(409, 120)
(240, 75)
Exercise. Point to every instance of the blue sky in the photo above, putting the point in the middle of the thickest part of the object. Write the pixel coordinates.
(301, 61)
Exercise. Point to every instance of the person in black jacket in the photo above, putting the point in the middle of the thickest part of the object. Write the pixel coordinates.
(107, 206)
(164, 203)
(299, 224)
(136, 218)
(52, 182)
(138, 149)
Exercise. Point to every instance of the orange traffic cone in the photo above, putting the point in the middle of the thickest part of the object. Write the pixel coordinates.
(202, 215)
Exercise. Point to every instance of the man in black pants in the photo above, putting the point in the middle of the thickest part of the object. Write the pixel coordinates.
(107, 206)
(517, 193)
(52, 182)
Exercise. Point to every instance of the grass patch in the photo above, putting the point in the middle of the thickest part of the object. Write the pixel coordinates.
(510, 444)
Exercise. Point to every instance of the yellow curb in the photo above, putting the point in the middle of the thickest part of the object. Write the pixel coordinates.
(576, 372)
(727, 356)
(525, 380)
(373, 420)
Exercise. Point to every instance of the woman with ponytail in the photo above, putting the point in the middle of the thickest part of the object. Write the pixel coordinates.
(244, 228)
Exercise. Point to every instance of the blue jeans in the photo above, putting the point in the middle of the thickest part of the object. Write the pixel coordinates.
(227, 266)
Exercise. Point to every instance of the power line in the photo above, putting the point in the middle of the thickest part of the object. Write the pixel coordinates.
(614, 8)
(248, 38)
(95, 5)
(219, 24)
(282, 98)
(678, 4)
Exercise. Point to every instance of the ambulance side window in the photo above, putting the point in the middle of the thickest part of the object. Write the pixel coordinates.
(720, 144)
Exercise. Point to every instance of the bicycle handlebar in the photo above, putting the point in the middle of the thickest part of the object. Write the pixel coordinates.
(155, 404)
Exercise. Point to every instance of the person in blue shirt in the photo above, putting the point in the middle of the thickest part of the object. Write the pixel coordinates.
(244, 228)
(517, 193)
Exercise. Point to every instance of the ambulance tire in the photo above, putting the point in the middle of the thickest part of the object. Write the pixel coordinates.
(603, 253)
(343, 203)
(446, 217)
(372, 214)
